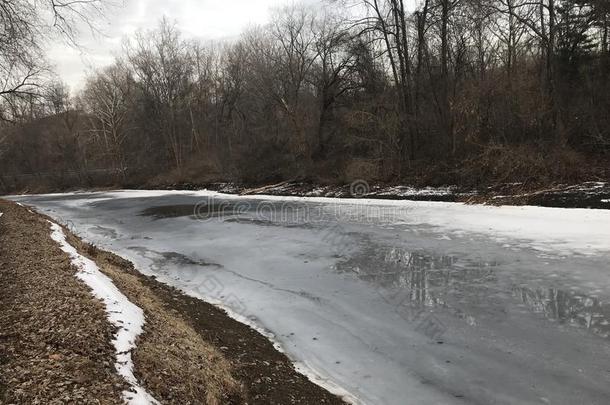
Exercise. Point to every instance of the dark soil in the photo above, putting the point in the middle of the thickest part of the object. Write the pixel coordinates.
(54, 337)
(268, 375)
(581, 195)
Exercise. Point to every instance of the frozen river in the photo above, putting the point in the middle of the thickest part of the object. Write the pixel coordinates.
(393, 302)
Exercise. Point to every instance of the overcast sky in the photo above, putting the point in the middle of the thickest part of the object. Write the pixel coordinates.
(206, 19)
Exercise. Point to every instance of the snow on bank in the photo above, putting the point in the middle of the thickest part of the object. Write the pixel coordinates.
(406, 191)
(127, 317)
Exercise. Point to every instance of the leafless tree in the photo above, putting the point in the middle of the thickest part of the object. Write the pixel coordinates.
(453, 90)
(109, 98)
(334, 68)
(163, 64)
(25, 25)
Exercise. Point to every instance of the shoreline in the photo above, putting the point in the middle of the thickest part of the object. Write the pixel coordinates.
(593, 194)
(180, 328)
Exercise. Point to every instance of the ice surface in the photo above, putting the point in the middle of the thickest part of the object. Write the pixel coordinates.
(583, 231)
(127, 317)
(396, 302)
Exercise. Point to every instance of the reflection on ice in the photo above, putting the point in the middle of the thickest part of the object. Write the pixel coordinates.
(465, 287)
(429, 279)
(567, 308)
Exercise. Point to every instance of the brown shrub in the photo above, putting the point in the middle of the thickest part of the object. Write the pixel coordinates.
(531, 165)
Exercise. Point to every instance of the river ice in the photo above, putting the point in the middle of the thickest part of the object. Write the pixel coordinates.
(393, 302)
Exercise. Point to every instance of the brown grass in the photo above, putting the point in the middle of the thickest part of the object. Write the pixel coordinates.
(172, 361)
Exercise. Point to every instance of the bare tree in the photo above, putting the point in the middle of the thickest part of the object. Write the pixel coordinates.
(388, 25)
(24, 26)
(163, 65)
(335, 65)
(456, 89)
(295, 48)
(109, 98)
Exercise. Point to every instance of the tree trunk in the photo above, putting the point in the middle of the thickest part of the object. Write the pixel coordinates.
(509, 45)
(445, 105)
(422, 18)
(558, 126)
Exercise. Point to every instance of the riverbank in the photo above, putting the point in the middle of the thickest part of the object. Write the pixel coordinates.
(592, 194)
(190, 351)
(584, 195)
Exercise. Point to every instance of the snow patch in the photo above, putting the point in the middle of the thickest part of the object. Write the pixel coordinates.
(406, 191)
(21, 205)
(127, 317)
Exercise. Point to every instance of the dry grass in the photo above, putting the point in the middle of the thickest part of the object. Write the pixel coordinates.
(172, 361)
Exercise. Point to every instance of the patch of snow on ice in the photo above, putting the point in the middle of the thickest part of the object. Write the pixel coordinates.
(127, 317)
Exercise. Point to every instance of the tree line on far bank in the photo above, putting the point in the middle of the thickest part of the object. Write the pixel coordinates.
(455, 91)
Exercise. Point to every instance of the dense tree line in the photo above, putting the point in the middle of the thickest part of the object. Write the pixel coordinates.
(465, 91)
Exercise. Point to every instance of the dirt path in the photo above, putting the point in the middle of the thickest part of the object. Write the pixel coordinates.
(54, 338)
(55, 341)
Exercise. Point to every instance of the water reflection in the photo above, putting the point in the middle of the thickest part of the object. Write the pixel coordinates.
(428, 279)
(567, 308)
(468, 289)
